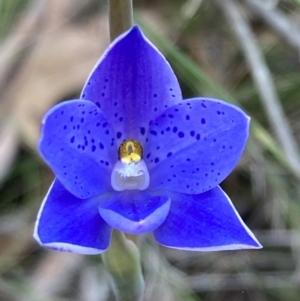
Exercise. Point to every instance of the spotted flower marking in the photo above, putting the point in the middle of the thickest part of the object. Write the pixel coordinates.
(131, 154)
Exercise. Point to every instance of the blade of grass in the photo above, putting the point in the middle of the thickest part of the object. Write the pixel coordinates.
(262, 79)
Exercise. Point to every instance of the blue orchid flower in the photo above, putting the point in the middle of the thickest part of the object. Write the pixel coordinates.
(131, 154)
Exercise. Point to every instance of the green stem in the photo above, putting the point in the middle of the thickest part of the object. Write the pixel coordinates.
(120, 17)
(122, 260)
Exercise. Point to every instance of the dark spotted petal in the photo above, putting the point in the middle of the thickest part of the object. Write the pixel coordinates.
(67, 223)
(204, 222)
(132, 83)
(134, 211)
(193, 146)
(78, 144)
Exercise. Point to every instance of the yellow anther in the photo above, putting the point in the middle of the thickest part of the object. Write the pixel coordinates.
(130, 151)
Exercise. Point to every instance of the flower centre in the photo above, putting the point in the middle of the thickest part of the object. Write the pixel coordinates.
(130, 172)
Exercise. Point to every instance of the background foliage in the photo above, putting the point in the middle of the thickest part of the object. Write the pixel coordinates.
(47, 49)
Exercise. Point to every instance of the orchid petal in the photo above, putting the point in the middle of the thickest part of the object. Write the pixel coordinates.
(135, 212)
(193, 146)
(132, 83)
(67, 223)
(78, 144)
(204, 222)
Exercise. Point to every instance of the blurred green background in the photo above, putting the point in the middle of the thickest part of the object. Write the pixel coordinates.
(245, 52)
